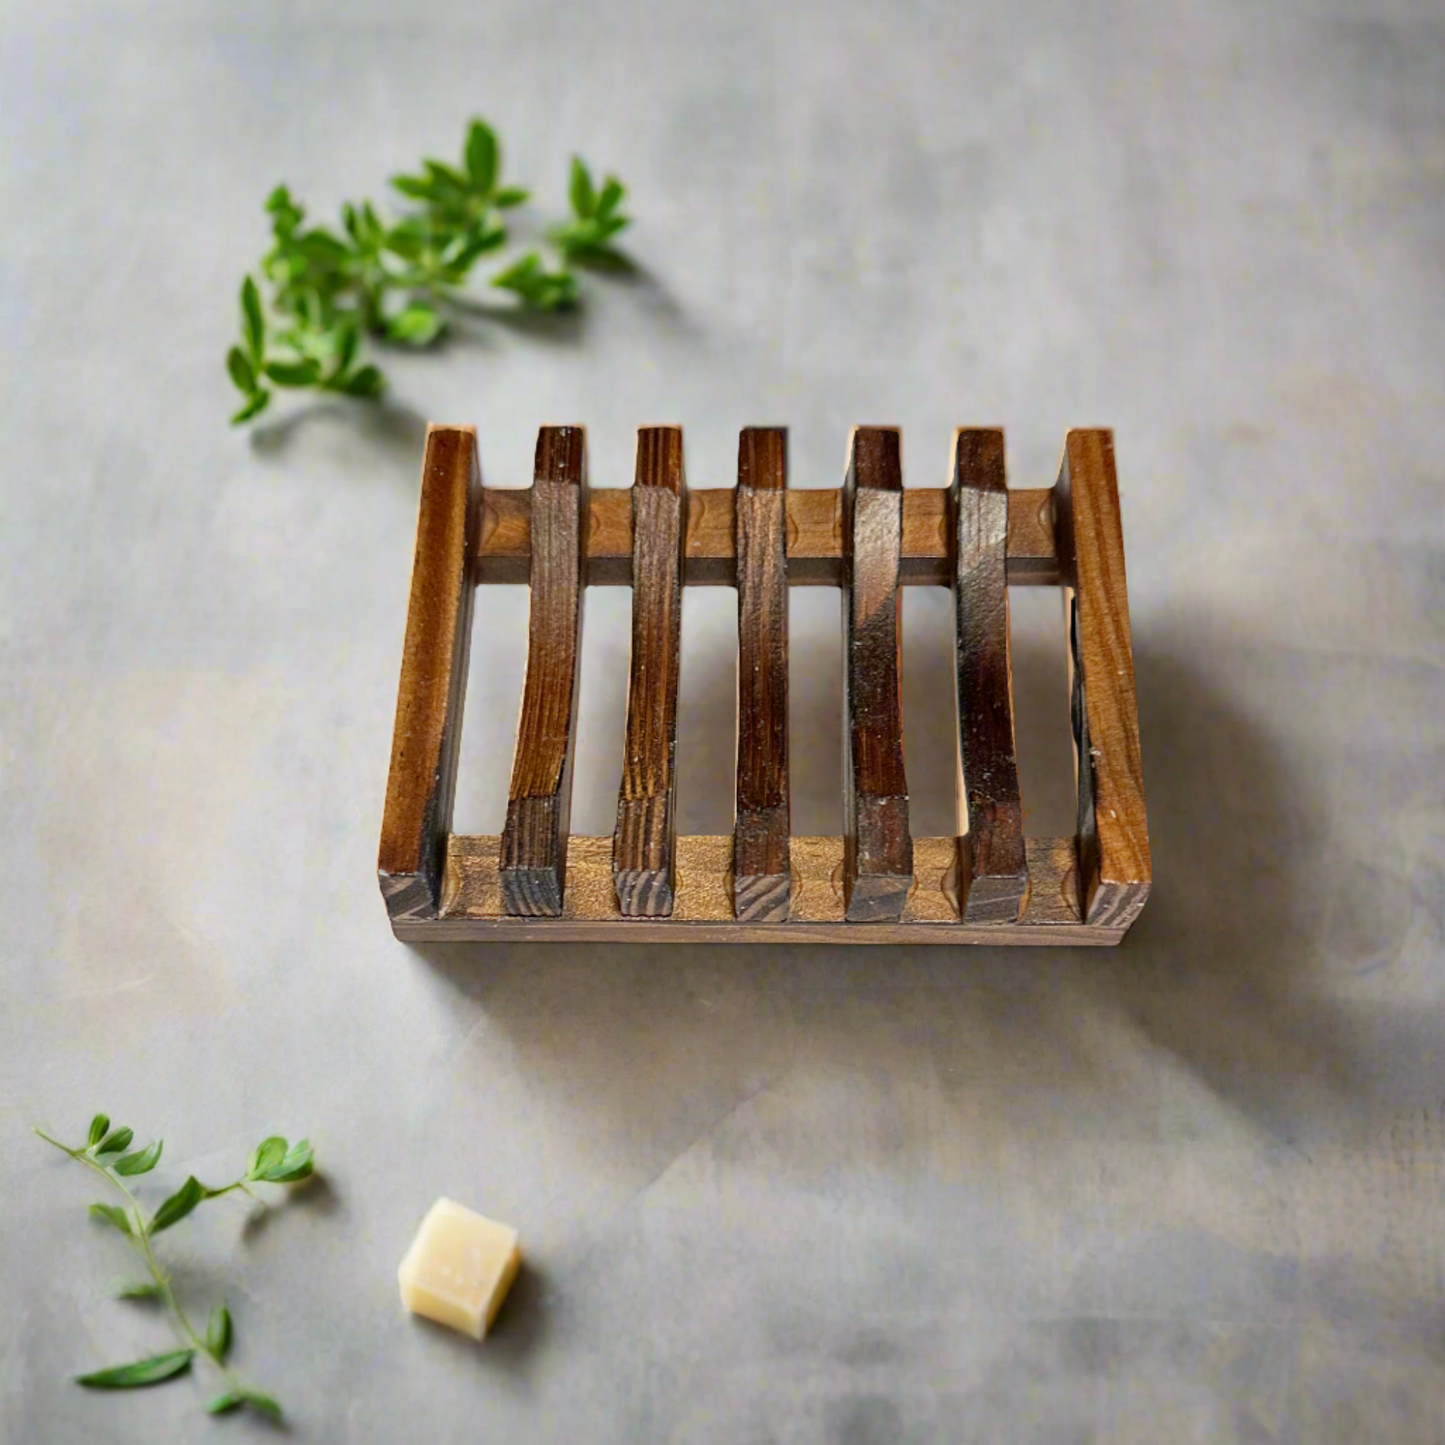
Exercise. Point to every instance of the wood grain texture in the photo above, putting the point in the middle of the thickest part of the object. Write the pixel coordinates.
(814, 538)
(1113, 834)
(423, 775)
(539, 805)
(878, 851)
(762, 869)
(472, 901)
(993, 872)
(642, 853)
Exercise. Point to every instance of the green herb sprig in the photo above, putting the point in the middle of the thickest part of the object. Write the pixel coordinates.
(595, 216)
(107, 1152)
(391, 280)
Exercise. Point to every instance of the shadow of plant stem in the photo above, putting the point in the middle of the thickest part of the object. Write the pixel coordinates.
(566, 325)
(391, 426)
(315, 1193)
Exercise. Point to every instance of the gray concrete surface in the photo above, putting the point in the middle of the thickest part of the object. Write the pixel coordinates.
(1189, 1191)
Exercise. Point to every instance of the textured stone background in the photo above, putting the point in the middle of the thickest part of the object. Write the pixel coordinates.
(1194, 1190)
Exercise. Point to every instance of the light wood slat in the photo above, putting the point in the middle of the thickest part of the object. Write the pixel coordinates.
(878, 853)
(642, 854)
(539, 806)
(1113, 832)
(815, 538)
(472, 906)
(993, 873)
(761, 866)
(422, 780)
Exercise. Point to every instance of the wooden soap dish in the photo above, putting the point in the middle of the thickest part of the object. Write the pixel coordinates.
(874, 884)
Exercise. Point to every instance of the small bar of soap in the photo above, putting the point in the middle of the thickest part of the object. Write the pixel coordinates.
(459, 1268)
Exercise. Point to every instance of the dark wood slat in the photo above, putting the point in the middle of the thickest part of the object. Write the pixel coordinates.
(992, 869)
(422, 781)
(643, 862)
(878, 850)
(815, 538)
(761, 861)
(1114, 862)
(539, 807)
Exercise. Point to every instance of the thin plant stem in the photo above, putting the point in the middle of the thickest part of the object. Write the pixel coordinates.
(140, 1239)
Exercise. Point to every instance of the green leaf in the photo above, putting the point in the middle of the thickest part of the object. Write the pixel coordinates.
(419, 188)
(256, 404)
(243, 374)
(178, 1205)
(141, 1162)
(461, 252)
(142, 1372)
(406, 239)
(253, 321)
(264, 1405)
(545, 290)
(510, 196)
(611, 196)
(346, 344)
(224, 1404)
(366, 381)
(447, 177)
(218, 1334)
(578, 238)
(415, 326)
(98, 1127)
(584, 199)
(112, 1214)
(294, 373)
(138, 1289)
(321, 246)
(115, 1141)
(266, 1155)
(286, 214)
(521, 273)
(295, 1164)
(481, 155)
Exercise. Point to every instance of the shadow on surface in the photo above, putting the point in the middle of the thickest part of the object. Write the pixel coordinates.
(566, 327)
(516, 1333)
(316, 1194)
(1210, 974)
(391, 427)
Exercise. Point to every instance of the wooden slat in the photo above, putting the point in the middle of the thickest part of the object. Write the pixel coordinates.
(539, 806)
(815, 538)
(1032, 560)
(422, 781)
(642, 854)
(472, 905)
(761, 866)
(993, 873)
(878, 853)
(1113, 831)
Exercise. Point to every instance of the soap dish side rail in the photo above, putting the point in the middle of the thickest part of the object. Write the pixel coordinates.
(873, 882)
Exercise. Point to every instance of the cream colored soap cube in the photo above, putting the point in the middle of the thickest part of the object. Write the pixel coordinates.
(459, 1268)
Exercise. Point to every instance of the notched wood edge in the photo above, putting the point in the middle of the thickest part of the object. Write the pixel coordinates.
(472, 908)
